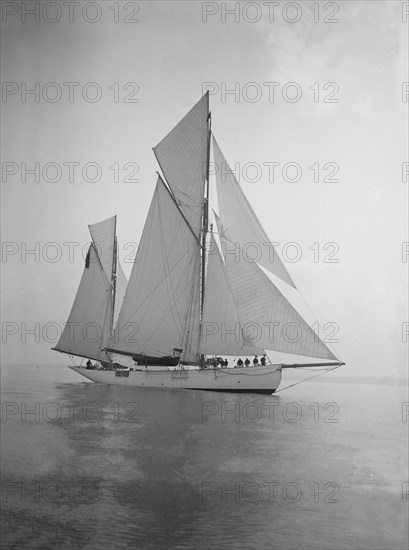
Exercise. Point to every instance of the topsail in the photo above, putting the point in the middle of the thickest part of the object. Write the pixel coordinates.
(182, 156)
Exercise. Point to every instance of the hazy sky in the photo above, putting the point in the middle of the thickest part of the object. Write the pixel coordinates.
(164, 60)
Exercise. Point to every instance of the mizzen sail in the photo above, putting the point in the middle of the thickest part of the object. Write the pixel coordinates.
(88, 329)
(87, 332)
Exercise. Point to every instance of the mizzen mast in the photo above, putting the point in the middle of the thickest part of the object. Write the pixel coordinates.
(113, 289)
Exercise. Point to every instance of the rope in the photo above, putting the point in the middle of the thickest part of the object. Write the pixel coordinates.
(73, 359)
(225, 371)
(310, 378)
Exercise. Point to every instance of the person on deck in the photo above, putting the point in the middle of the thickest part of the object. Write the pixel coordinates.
(89, 364)
(263, 361)
(255, 361)
(247, 362)
(240, 362)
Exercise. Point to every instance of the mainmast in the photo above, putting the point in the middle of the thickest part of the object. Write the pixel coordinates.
(113, 280)
(205, 225)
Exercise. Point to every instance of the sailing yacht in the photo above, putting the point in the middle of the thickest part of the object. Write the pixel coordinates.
(204, 284)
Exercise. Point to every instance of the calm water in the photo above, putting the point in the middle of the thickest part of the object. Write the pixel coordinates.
(316, 466)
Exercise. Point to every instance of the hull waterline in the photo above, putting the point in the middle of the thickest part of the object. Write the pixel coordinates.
(239, 380)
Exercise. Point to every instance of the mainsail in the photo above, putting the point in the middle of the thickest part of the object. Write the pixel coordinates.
(161, 307)
(88, 329)
(240, 220)
(182, 156)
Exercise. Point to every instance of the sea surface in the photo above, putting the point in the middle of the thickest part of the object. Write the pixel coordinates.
(87, 466)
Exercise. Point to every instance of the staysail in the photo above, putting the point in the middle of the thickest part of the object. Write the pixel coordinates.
(240, 220)
(221, 332)
(182, 156)
(161, 307)
(267, 317)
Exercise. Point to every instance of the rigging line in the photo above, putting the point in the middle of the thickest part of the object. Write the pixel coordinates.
(168, 283)
(99, 260)
(107, 307)
(190, 316)
(164, 276)
(168, 189)
(288, 309)
(160, 282)
(315, 376)
(224, 371)
(169, 286)
(327, 344)
(171, 301)
(187, 205)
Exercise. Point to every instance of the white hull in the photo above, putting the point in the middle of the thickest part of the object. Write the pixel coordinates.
(247, 379)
